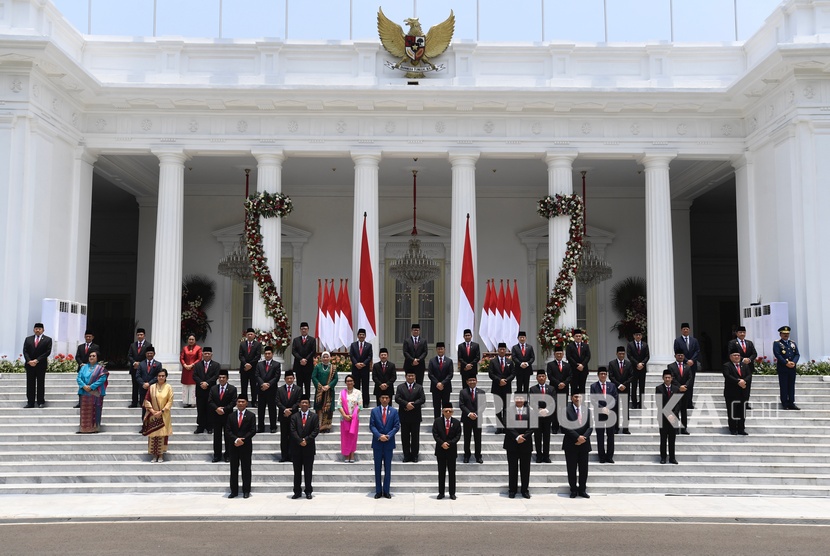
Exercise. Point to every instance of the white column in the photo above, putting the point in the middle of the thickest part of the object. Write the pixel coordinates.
(167, 276)
(366, 202)
(463, 203)
(560, 181)
(659, 259)
(269, 180)
(78, 256)
(530, 304)
(747, 239)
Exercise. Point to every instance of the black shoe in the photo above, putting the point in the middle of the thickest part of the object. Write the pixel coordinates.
(198, 431)
(511, 495)
(378, 495)
(414, 459)
(684, 431)
(209, 431)
(28, 406)
(295, 497)
(246, 495)
(406, 460)
(42, 405)
(748, 407)
(690, 406)
(440, 497)
(793, 406)
(308, 496)
(260, 431)
(452, 496)
(466, 459)
(626, 431)
(547, 460)
(273, 431)
(133, 405)
(672, 460)
(216, 460)
(609, 460)
(283, 460)
(76, 406)
(573, 495)
(479, 460)
(663, 461)
(733, 433)
(743, 433)
(385, 495)
(232, 495)
(602, 460)
(227, 459)
(538, 459)
(525, 495)
(584, 495)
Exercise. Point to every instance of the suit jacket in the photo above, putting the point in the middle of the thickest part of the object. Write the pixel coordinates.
(40, 353)
(511, 435)
(203, 373)
(662, 395)
(403, 396)
(82, 355)
(228, 401)
(529, 357)
(555, 376)
(147, 372)
(284, 401)
(357, 357)
(271, 376)
(541, 404)
(309, 433)
(576, 356)
(246, 432)
(468, 405)
(601, 401)
(412, 351)
(439, 433)
(692, 352)
(783, 352)
(688, 378)
(440, 373)
(390, 428)
(300, 350)
(388, 377)
(572, 430)
(135, 354)
(496, 374)
(751, 353)
(641, 356)
(251, 357)
(731, 378)
(621, 378)
(473, 358)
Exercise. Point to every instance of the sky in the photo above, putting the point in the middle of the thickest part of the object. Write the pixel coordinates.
(476, 20)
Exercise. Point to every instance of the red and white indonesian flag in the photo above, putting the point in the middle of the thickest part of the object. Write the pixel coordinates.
(516, 308)
(484, 324)
(344, 307)
(329, 309)
(466, 299)
(501, 330)
(337, 317)
(366, 290)
(318, 326)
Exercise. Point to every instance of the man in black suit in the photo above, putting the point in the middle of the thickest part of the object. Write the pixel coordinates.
(469, 354)
(620, 372)
(250, 351)
(576, 443)
(360, 352)
(384, 375)
(446, 431)
(638, 354)
(304, 428)
(147, 374)
(303, 348)
(518, 442)
(83, 351)
(239, 433)
(748, 356)
(268, 374)
(668, 399)
(690, 347)
(440, 379)
(542, 397)
(606, 399)
(36, 351)
(472, 401)
(502, 373)
(736, 380)
(205, 375)
(523, 358)
(136, 354)
(683, 376)
(410, 398)
(288, 403)
(579, 355)
(559, 376)
(415, 351)
(221, 401)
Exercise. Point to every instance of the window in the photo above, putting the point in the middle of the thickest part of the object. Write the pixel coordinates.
(415, 306)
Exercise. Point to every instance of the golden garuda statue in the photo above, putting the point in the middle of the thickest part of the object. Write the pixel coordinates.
(415, 48)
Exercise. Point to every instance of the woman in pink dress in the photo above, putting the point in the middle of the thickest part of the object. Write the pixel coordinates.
(190, 355)
(348, 404)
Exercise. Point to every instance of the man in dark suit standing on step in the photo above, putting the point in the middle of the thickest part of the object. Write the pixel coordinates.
(469, 355)
(250, 351)
(579, 355)
(410, 398)
(683, 376)
(523, 358)
(518, 442)
(303, 348)
(748, 355)
(305, 426)
(559, 376)
(415, 351)
(472, 401)
(620, 372)
(147, 373)
(360, 353)
(288, 403)
(606, 400)
(638, 354)
(502, 373)
(36, 351)
(205, 375)
(384, 423)
(447, 432)
(668, 399)
(736, 380)
(268, 374)
(543, 398)
(690, 347)
(83, 351)
(239, 433)
(221, 401)
(137, 354)
(384, 375)
(576, 443)
(440, 379)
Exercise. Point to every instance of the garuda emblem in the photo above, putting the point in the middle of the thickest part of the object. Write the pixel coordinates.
(414, 49)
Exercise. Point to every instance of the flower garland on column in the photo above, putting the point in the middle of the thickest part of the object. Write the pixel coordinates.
(267, 205)
(551, 207)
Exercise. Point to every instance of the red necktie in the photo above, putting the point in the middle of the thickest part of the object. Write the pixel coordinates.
(448, 427)
(579, 349)
(680, 366)
(621, 367)
(384, 367)
(304, 338)
(361, 348)
(440, 362)
(738, 368)
(87, 349)
(668, 390)
(410, 388)
(638, 347)
(304, 419)
(523, 350)
(743, 346)
(473, 393)
(384, 415)
(560, 366)
(603, 388)
(37, 340)
(240, 418)
(289, 391)
(502, 364)
(579, 416)
(249, 347)
(543, 389)
(221, 393)
(267, 366)
(468, 349)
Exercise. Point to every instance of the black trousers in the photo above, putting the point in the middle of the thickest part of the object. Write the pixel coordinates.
(605, 442)
(502, 415)
(518, 463)
(203, 417)
(419, 376)
(668, 435)
(472, 429)
(284, 438)
(684, 409)
(303, 469)
(241, 456)
(576, 461)
(446, 463)
(522, 380)
(362, 383)
(246, 377)
(267, 399)
(638, 388)
(542, 437)
(736, 413)
(35, 381)
(578, 380)
(137, 394)
(439, 398)
(410, 436)
(218, 435)
(303, 378)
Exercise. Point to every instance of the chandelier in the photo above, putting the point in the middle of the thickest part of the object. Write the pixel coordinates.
(236, 265)
(414, 268)
(592, 268)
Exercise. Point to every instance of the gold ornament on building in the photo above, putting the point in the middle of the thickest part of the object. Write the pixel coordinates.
(414, 49)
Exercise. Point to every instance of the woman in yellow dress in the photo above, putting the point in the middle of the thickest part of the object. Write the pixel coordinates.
(158, 402)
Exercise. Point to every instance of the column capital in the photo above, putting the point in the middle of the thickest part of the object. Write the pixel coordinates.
(170, 155)
(86, 155)
(560, 159)
(742, 160)
(463, 158)
(656, 159)
(266, 156)
(366, 157)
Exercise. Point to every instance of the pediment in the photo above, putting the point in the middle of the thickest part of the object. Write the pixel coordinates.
(402, 231)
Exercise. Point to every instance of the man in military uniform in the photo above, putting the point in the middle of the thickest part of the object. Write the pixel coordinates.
(786, 356)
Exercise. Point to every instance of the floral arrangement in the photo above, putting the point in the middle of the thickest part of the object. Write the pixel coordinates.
(484, 365)
(558, 336)
(197, 296)
(628, 298)
(550, 207)
(267, 205)
(342, 364)
(61, 363)
(9, 366)
(765, 366)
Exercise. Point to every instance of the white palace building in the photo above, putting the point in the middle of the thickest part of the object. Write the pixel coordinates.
(122, 170)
